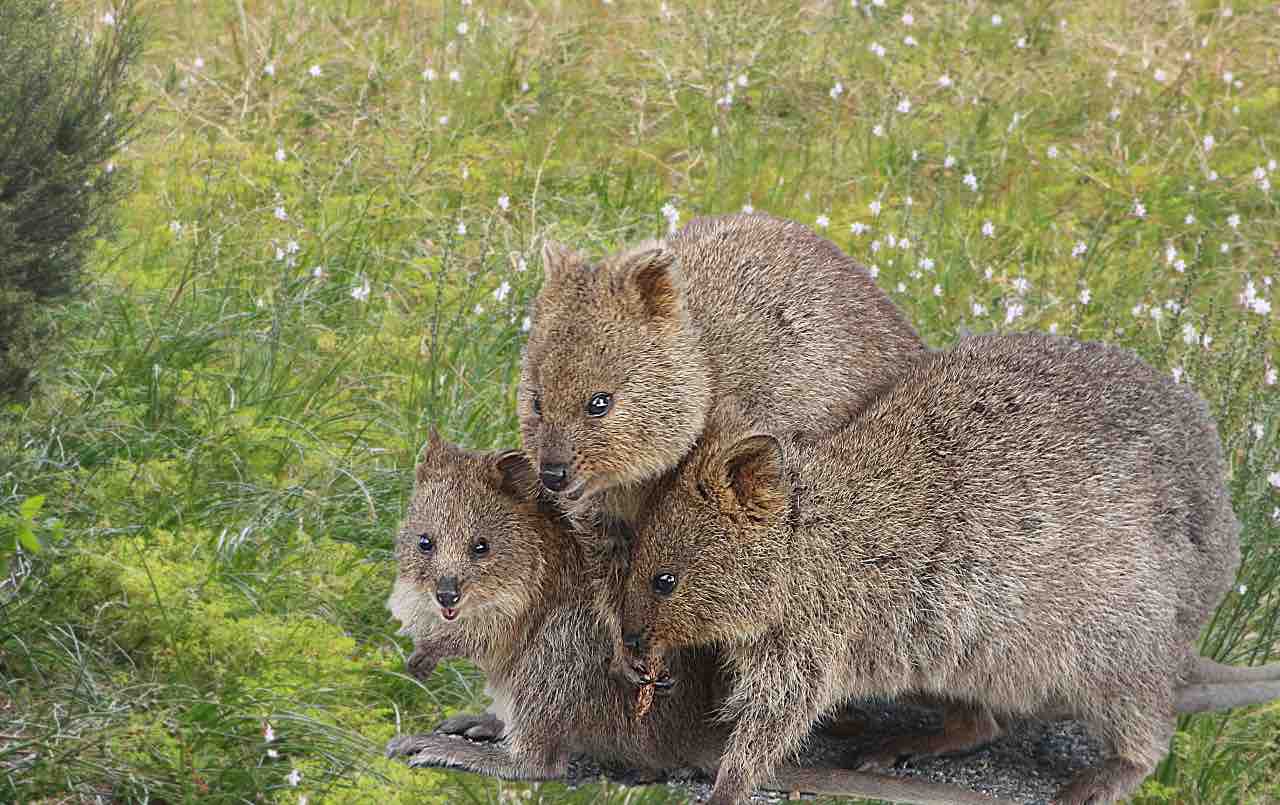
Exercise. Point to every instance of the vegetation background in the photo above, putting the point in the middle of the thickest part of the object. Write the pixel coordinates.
(331, 238)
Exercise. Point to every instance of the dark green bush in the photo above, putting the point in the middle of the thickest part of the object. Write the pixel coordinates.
(65, 108)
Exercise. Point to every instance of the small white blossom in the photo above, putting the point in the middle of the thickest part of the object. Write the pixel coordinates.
(949, 162)
(875, 208)
(455, 76)
(462, 28)
(989, 273)
(858, 228)
(1021, 284)
(877, 49)
(198, 63)
(1079, 249)
(281, 214)
(1270, 376)
(504, 203)
(893, 240)
(1189, 335)
(1213, 176)
(836, 91)
(1169, 253)
(1233, 220)
(1114, 114)
(926, 263)
(971, 182)
(108, 18)
(1258, 430)
(1242, 589)
(908, 19)
(742, 80)
(996, 19)
(748, 209)
(877, 130)
(526, 323)
(672, 215)
(360, 293)
(1021, 44)
(1228, 76)
(315, 71)
(937, 290)
(176, 228)
(909, 41)
(502, 291)
(269, 68)
(902, 287)
(273, 754)
(268, 734)
(1180, 265)
(443, 120)
(294, 778)
(318, 272)
(904, 106)
(1052, 152)
(1053, 328)
(1189, 220)
(1085, 296)
(1208, 143)
(429, 74)
(874, 271)
(1012, 311)
(822, 222)
(1156, 313)
(875, 246)
(1160, 75)
(979, 309)
(1139, 210)
(944, 81)
(988, 229)
(1274, 479)
(1177, 374)
(280, 155)
(1262, 307)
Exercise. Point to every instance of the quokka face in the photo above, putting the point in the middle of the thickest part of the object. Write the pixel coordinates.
(611, 391)
(469, 547)
(699, 571)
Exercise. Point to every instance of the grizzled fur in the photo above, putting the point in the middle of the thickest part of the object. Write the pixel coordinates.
(744, 305)
(1035, 525)
(525, 617)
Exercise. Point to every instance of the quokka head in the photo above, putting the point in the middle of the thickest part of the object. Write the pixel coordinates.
(706, 553)
(613, 388)
(471, 545)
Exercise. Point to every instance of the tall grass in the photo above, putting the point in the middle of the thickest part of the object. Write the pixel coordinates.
(332, 243)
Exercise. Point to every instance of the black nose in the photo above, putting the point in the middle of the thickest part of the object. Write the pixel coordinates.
(554, 476)
(631, 641)
(447, 591)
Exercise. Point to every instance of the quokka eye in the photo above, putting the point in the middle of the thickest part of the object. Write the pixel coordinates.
(664, 584)
(425, 543)
(481, 548)
(599, 403)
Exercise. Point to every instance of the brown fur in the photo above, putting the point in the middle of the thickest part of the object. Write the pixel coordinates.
(743, 306)
(1033, 525)
(527, 619)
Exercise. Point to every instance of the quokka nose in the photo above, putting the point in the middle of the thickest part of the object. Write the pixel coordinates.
(447, 592)
(631, 641)
(554, 476)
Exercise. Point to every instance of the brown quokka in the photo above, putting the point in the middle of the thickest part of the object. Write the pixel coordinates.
(1031, 525)
(627, 357)
(489, 571)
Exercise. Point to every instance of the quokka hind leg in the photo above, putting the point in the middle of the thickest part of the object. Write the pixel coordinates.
(1136, 739)
(965, 726)
(494, 759)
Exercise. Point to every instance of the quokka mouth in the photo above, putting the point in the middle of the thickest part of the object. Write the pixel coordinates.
(449, 613)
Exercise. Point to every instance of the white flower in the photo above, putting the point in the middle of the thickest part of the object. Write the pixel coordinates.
(360, 293)
(504, 203)
(1021, 284)
(1021, 44)
(108, 18)
(748, 209)
(268, 734)
(988, 229)
(1189, 220)
(1261, 306)
(926, 263)
(949, 162)
(937, 290)
(909, 41)
(1079, 249)
(996, 19)
(1208, 143)
(462, 228)
(836, 91)
(1242, 589)
(1114, 114)
(524, 86)
(1085, 296)
(877, 49)
(269, 68)
(944, 81)
(1228, 76)
(294, 778)
(443, 120)
(1270, 376)
(823, 222)
(318, 272)
(877, 130)
(292, 247)
(1271, 164)
(273, 754)
(971, 182)
(455, 76)
(1224, 248)
(281, 214)
(176, 228)
(302, 799)
(1189, 335)
(742, 80)
(1258, 430)
(979, 309)
(902, 287)
(893, 240)
(1013, 311)
(1138, 209)
(198, 63)
(672, 215)
(315, 71)
(1177, 374)
(502, 291)
(875, 246)
(908, 19)
(874, 271)
(1052, 152)
(1274, 479)
(989, 273)
(1111, 77)
(875, 208)
(462, 28)
(1233, 220)
(904, 106)
(526, 323)
(1213, 176)
(1156, 313)
(1170, 253)
(280, 155)
(858, 228)
(429, 74)
(1160, 75)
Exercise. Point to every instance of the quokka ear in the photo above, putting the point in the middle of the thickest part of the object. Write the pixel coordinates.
(436, 454)
(512, 473)
(556, 257)
(752, 470)
(650, 274)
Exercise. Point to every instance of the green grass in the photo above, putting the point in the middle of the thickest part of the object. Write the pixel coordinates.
(229, 434)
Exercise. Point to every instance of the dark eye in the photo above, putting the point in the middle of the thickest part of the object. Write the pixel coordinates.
(599, 404)
(664, 584)
(537, 404)
(425, 543)
(480, 548)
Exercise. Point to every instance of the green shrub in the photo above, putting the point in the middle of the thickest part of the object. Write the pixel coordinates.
(64, 111)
